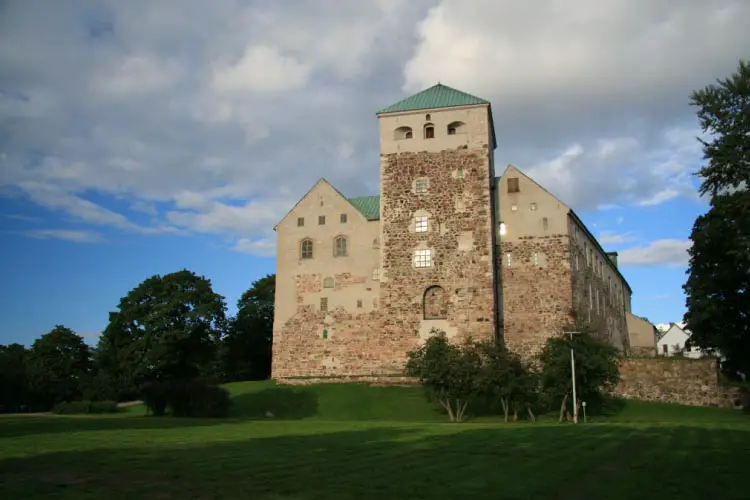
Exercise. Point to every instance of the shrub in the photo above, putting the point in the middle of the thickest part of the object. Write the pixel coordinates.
(85, 407)
(154, 395)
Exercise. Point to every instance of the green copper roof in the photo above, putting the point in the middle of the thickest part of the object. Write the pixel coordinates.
(368, 205)
(437, 96)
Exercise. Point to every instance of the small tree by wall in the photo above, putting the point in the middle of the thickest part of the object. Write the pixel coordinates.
(596, 366)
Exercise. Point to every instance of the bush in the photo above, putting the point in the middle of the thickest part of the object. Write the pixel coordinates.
(85, 407)
(186, 398)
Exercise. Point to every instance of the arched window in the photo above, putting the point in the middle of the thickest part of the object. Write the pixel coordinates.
(306, 248)
(435, 306)
(456, 128)
(427, 117)
(429, 131)
(402, 133)
(328, 282)
(339, 246)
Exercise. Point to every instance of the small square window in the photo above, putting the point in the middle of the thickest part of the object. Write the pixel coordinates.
(343, 218)
(324, 304)
(423, 258)
(321, 220)
(420, 224)
(376, 275)
(359, 304)
(328, 283)
(420, 186)
(513, 185)
(300, 221)
(513, 208)
(533, 206)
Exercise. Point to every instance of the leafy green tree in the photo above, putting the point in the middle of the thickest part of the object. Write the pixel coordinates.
(168, 327)
(14, 386)
(724, 112)
(58, 364)
(596, 365)
(717, 287)
(503, 378)
(448, 372)
(246, 348)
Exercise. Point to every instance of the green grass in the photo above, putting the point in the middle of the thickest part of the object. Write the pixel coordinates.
(352, 441)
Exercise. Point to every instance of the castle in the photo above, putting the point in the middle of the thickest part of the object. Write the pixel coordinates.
(447, 245)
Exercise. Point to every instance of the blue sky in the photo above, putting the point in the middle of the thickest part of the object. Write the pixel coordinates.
(140, 139)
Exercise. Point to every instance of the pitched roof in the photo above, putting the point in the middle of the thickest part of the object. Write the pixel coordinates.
(437, 96)
(369, 206)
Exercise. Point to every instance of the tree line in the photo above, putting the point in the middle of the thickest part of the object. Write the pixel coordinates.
(167, 330)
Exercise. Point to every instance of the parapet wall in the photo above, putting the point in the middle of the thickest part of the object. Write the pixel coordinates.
(693, 382)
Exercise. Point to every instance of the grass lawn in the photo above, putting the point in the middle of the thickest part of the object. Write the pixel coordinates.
(353, 441)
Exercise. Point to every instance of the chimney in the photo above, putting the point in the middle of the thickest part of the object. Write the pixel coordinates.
(613, 257)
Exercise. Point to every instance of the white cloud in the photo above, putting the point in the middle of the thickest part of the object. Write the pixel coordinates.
(263, 69)
(611, 238)
(669, 252)
(264, 247)
(77, 236)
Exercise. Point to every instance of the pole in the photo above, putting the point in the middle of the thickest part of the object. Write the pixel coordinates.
(573, 377)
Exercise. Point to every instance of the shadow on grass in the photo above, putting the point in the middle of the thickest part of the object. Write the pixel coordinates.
(285, 403)
(423, 462)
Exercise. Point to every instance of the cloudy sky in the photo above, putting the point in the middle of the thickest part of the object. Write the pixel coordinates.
(144, 137)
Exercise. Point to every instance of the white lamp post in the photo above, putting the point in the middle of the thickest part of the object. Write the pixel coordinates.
(573, 376)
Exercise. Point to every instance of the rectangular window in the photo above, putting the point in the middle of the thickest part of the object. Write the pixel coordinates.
(507, 259)
(422, 258)
(513, 185)
(513, 208)
(420, 224)
(420, 186)
(536, 259)
(665, 348)
(376, 275)
(321, 220)
(343, 218)
(339, 246)
(545, 223)
(460, 173)
(324, 304)
(359, 304)
(578, 266)
(300, 221)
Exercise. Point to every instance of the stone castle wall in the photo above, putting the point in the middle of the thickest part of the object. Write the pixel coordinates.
(459, 236)
(693, 382)
(536, 297)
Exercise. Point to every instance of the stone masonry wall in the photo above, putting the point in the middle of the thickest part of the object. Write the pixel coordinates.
(536, 298)
(459, 236)
(693, 382)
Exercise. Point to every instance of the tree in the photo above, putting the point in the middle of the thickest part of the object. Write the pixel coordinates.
(246, 348)
(448, 372)
(597, 369)
(58, 363)
(719, 269)
(718, 284)
(14, 387)
(168, 327)
(504, 378)
(724, 112)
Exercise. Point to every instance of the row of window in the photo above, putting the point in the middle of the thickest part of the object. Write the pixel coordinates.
(324, 304)
(321, 220)
(538, 259)
(428, 130)
(340, 247)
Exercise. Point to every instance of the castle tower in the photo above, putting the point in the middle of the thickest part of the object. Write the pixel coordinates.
(437, 217)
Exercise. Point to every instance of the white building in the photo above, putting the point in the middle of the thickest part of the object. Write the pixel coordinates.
(671, 341)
